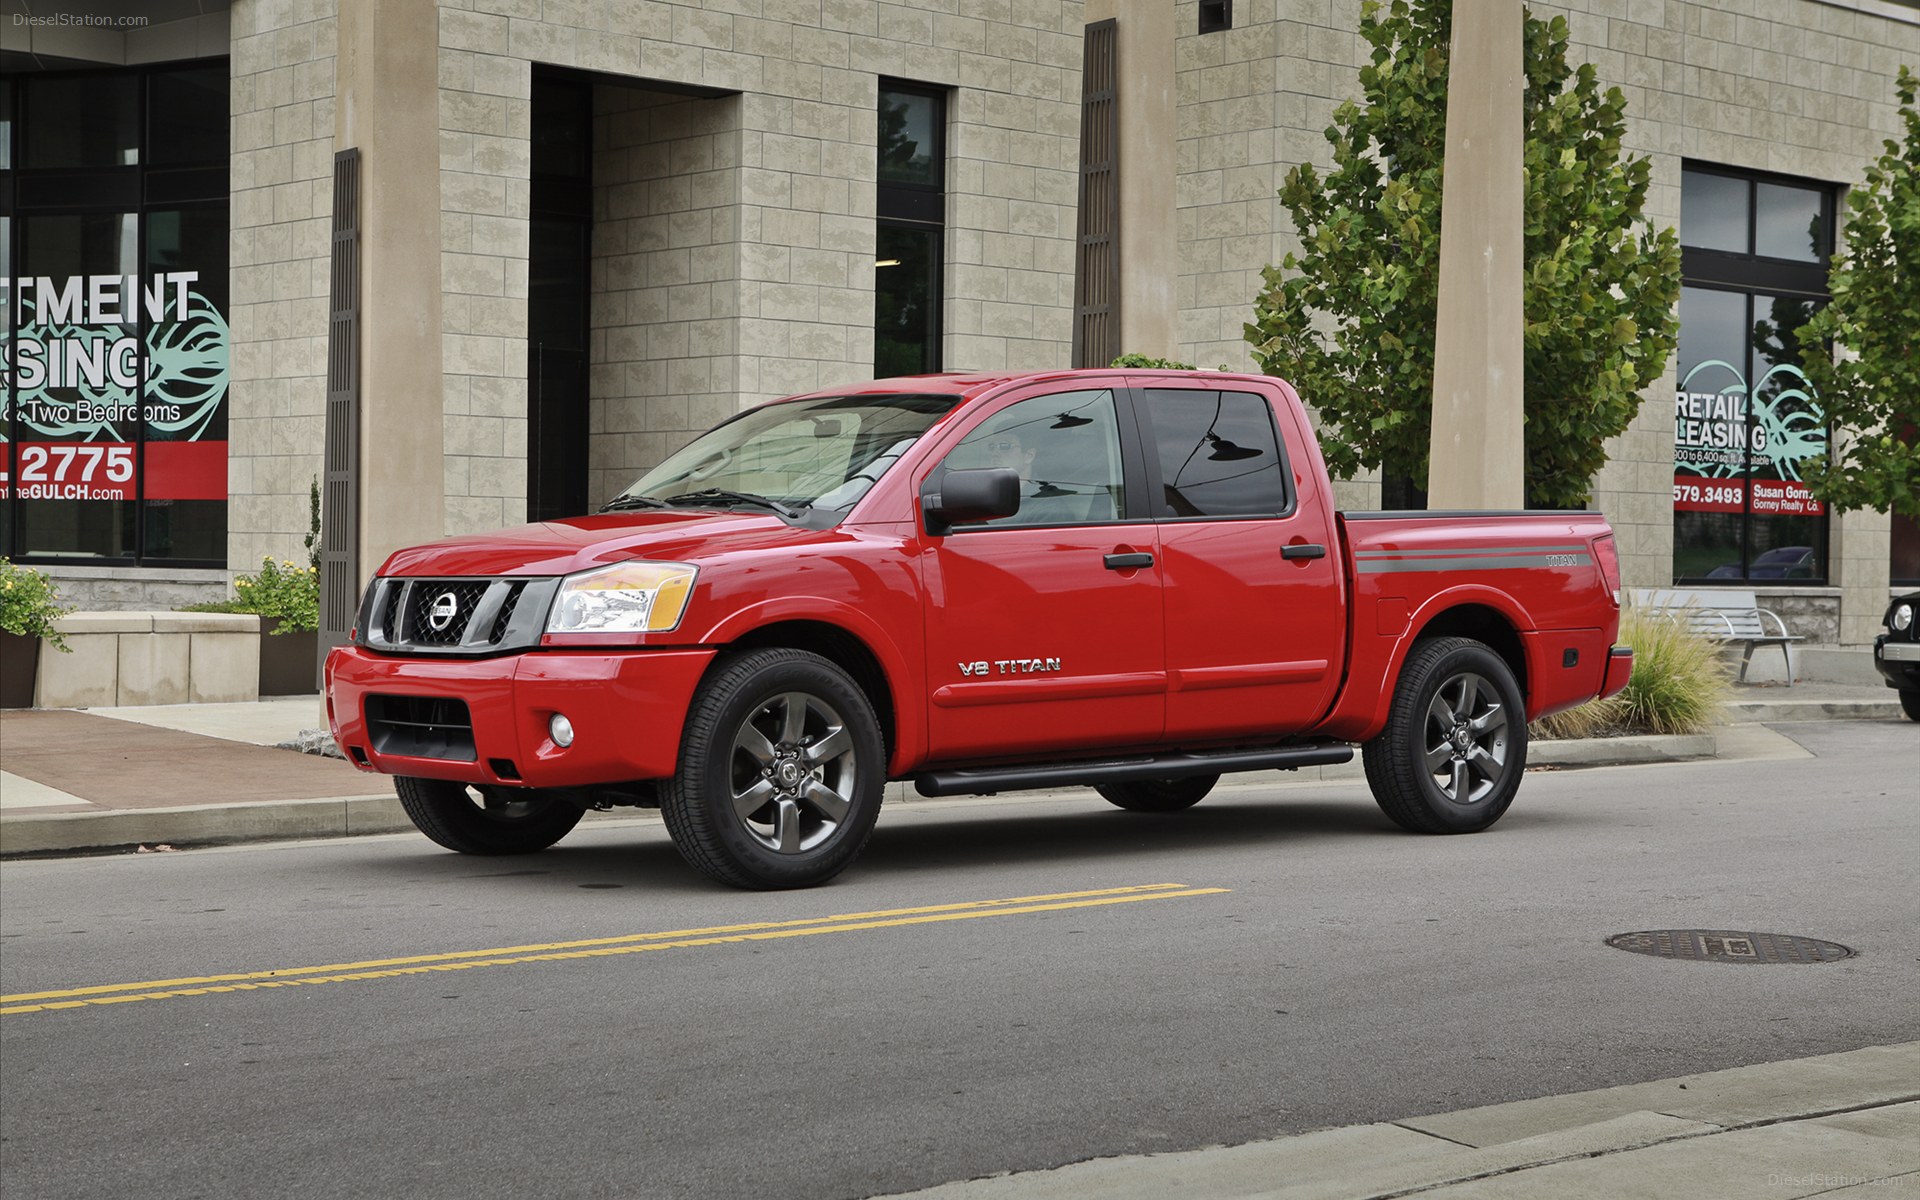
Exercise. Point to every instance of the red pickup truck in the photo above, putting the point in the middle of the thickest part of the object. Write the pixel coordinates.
(1135, 581)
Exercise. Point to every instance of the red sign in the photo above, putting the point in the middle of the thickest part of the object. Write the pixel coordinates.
(1697, 493)
(105, 471)
(1785, 498)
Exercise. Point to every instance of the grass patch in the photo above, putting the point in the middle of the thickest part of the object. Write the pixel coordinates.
(1679, 685)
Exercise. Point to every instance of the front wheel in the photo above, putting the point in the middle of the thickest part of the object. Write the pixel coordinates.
(486, 820)
(781, 770)
(1158, 795)
(1455, 744)
(1910, 704)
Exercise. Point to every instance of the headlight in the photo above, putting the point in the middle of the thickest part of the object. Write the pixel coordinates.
(1902, 618)
(635, 597)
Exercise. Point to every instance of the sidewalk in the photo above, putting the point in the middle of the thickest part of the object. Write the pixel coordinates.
(1836, 1125)
(105, 778)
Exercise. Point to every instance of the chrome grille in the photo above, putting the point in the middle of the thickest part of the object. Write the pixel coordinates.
(427, 600)
(479, 616)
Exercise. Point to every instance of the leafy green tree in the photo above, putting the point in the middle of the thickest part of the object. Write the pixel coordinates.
(1350, 319)
(1871, 391)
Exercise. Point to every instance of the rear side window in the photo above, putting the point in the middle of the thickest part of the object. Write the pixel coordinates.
(1218, 453)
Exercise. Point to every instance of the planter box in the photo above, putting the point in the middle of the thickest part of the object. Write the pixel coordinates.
(129, 658)
(19, 657)
(289, 662)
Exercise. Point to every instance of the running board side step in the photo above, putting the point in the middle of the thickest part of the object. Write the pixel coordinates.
(985, 781)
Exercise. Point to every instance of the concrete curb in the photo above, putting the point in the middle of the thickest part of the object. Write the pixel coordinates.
(287, 820)
(1815, 710)
(201, 824)
(1783, 1130)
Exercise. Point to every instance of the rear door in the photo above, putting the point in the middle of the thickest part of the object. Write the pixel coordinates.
(1044, 628)
(1254, 606)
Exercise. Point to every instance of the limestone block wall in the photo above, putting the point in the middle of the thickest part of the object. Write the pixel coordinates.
(485, 116)
(667, 257)
(282, 96)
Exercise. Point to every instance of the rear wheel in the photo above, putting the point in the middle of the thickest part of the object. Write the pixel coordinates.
(1455, 744)
(781, 771)
(486, 820)
(1158, 795)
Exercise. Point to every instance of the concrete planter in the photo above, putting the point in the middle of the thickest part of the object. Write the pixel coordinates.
(19, 660)
(128, 658)
(289, 662)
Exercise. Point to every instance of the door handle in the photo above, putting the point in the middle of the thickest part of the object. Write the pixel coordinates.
(1303, 550)
(1127, 562)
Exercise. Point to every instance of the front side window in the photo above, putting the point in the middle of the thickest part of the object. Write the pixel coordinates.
(1066, 449)
(1218, 454)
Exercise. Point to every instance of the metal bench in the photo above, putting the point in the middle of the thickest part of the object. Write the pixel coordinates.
(1722, 615)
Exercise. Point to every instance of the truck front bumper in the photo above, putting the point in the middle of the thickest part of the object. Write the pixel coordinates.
(489, 721)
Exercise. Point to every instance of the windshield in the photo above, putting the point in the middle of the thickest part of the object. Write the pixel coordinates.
(820, 454)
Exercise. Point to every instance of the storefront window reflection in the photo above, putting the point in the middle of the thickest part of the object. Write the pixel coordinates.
(117, 359)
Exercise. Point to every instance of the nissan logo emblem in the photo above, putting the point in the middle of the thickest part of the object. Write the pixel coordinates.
(445, 607)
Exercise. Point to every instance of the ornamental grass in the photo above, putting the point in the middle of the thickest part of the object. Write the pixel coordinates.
(1679, 685)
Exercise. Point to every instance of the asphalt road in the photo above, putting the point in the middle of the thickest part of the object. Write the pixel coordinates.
(1314, 968)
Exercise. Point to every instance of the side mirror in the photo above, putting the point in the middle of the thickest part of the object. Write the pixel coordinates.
(980, 494)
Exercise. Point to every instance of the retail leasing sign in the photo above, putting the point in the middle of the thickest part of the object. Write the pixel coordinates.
(85, 381)
(1737, 449)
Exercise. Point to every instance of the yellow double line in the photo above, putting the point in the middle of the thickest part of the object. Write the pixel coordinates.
(506, 956)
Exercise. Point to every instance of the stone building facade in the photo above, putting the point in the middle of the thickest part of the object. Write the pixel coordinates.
(730, 199)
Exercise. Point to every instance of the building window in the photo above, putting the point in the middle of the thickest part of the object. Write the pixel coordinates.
(910, 229)
(113, 269)
(1754, 269)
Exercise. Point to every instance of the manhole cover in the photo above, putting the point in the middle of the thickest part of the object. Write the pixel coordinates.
(1728, 945)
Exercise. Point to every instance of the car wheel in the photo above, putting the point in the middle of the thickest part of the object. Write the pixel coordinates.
(1158, 795)
(1455, 744)
(1910, 704)
(781, 770)
(486, 820)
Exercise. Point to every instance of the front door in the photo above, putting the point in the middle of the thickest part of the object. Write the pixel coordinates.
(1044, 628)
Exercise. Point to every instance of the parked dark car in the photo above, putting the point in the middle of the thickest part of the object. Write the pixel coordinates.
(1897, 651)
(1781, 562)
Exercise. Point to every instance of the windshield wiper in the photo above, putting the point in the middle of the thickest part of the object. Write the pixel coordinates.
(709, 495)
(619, 503)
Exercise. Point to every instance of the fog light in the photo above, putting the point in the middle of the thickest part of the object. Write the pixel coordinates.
(561, 730)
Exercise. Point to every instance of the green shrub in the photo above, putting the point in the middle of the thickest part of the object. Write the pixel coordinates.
(280, 589)
(1144, 362)
(29, 604)
(1679, 685)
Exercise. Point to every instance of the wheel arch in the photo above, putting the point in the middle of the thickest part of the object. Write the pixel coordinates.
(1484, 624)
(839, 646)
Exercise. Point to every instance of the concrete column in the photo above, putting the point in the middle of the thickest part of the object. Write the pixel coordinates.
(1149, 237)
(1478, 448)
(388, 106)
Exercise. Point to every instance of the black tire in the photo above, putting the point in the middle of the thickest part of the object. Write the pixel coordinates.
(1158, 795)
(781, 771)
(1451, 755)
(1910, 705)
(486, 820)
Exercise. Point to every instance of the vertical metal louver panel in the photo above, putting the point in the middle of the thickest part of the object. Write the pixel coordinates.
(340, 485)
(1096, 276)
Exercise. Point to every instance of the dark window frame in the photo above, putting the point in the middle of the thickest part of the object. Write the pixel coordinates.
(82, 191)
(918, 207)
(1751, 275)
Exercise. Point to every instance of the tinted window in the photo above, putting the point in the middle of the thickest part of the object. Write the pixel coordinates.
(83, 121)
(1713, 211)
(1788, 222)
(188, 116)
(1218, 454)
(910, 138)
(1066, 448)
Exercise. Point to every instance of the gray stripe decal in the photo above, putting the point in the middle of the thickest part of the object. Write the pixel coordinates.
(1561, 548)
(1464, 563)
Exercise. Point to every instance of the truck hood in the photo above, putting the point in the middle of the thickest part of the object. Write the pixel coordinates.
(581, 543)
